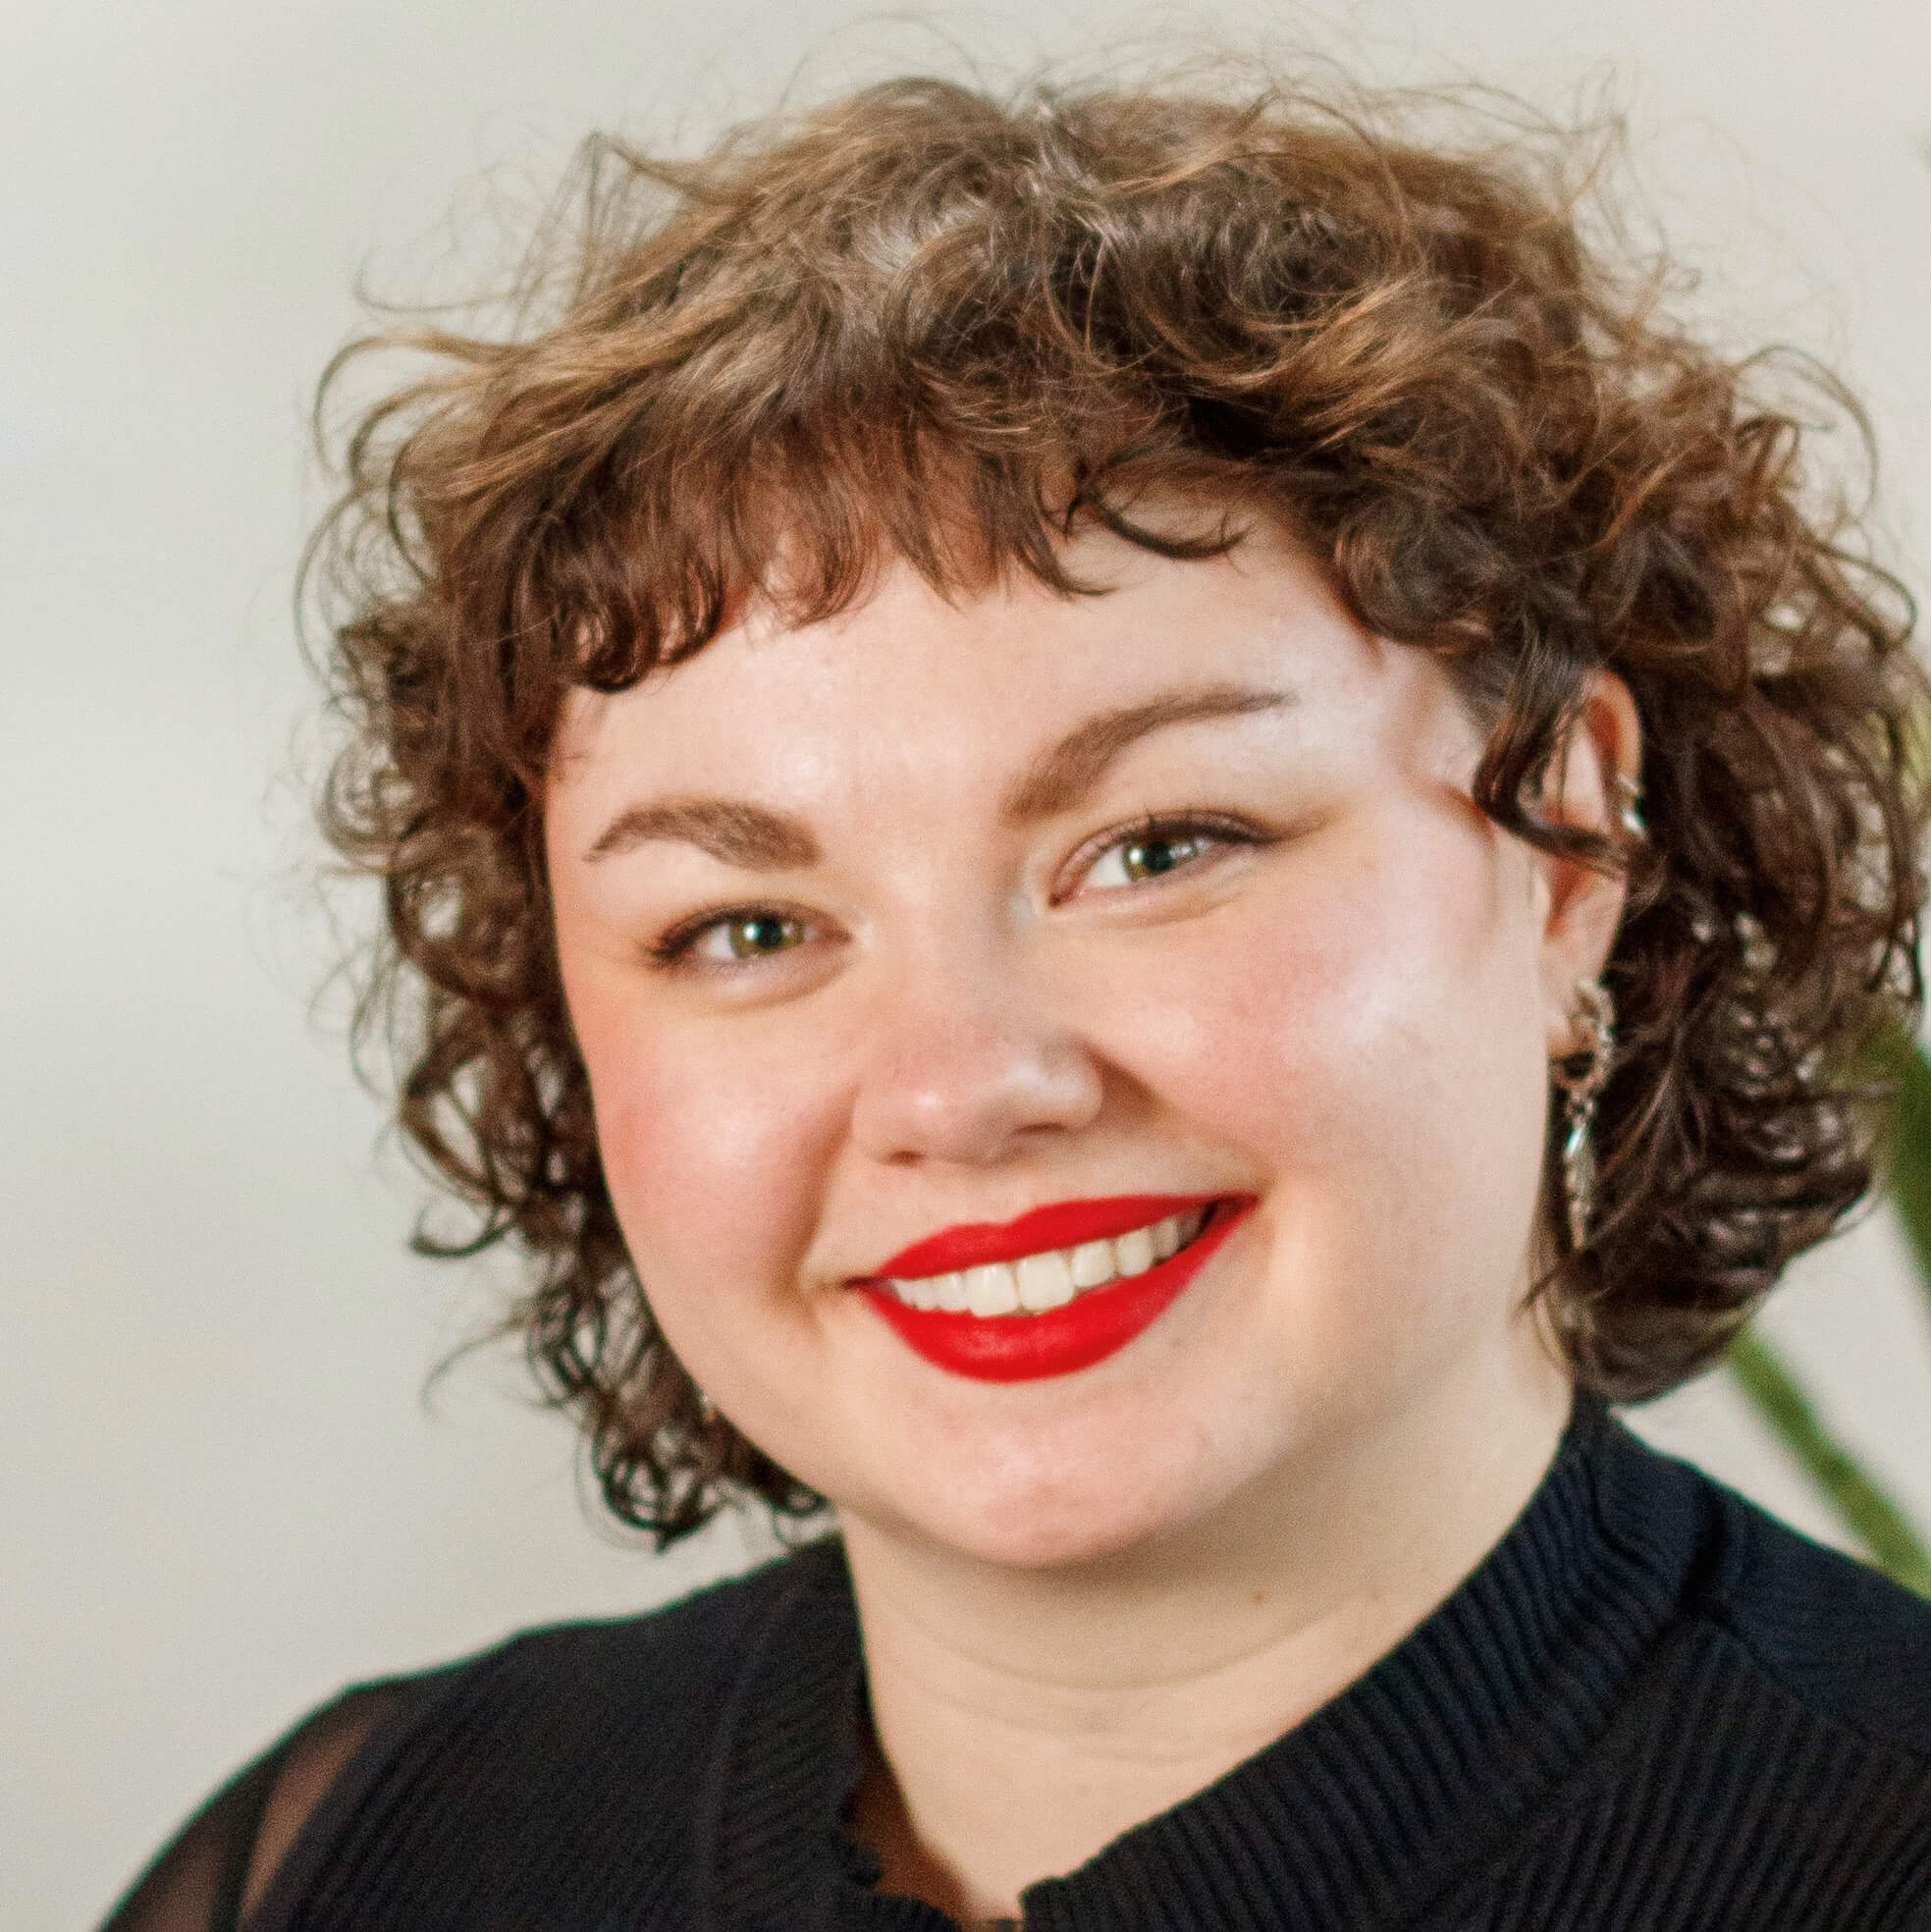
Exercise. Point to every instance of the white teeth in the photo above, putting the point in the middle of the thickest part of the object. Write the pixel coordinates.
(1045, 1281)
(1039, 1282)
(992, 1290)
(1092, 1264)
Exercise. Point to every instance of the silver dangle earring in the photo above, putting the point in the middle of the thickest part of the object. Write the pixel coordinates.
(707, 1409)
(1581, 1076)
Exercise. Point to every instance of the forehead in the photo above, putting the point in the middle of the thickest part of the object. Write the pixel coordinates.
(913, 682)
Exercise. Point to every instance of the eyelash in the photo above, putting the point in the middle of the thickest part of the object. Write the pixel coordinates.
(673, 952)
(1169, 829)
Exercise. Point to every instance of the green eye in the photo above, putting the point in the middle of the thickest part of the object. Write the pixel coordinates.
(1148, 858)
(733, 939)
(759, 933)
(1149, 855)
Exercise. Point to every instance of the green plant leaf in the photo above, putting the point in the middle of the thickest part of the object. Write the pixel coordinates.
(1911, 1149)
(1859, 1499)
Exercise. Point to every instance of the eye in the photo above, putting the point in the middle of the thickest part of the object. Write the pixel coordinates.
(732, 938)
(1159, 847)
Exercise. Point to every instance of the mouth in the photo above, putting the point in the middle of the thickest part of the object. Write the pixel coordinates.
(1033, 1310)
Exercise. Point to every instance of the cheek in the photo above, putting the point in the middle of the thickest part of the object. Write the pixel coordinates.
(709, 1151)
(1370, 1038)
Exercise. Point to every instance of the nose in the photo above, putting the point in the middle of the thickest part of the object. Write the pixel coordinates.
(965, 1063)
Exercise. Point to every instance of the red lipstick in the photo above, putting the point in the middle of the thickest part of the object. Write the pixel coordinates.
(1017, 1348)
(1064, 1224)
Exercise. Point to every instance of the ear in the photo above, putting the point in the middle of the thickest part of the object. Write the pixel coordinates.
(1582, 907)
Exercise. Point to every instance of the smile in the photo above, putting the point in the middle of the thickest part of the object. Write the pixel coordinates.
(1057, 1290)
(1039, 1282)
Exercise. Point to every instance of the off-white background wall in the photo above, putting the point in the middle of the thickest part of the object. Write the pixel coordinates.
(223, 1495)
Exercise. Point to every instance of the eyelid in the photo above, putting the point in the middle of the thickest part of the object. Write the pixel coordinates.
(1225, 827)
(673, 952)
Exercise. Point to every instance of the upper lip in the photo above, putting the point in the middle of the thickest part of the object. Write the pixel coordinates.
(1058, 1224)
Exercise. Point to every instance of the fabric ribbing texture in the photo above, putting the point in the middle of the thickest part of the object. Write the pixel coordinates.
(1650, 1706)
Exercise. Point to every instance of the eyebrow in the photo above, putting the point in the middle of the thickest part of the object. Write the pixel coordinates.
(756, 838)
(1060, 777)
(732, 829)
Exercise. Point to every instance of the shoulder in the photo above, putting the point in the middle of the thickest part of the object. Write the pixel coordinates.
(1800, 1620)
(576, 1747)
(1841, 1636)
(1767, 1760)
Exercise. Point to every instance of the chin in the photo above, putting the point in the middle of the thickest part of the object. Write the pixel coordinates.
(1038, 1508)
(1025, 1537)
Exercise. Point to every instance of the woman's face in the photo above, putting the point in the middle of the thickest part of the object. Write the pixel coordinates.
(933, 915)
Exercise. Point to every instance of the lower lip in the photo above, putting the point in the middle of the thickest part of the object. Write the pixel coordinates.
(1026, 1348)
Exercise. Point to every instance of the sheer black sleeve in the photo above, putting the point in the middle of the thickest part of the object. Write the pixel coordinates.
(213, 1875)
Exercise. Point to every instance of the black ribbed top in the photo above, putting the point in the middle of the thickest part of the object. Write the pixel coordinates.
(1650, 1706)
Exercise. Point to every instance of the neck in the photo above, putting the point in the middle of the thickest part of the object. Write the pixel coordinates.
(1025, 1718)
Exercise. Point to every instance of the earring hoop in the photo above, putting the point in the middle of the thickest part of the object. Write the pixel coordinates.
(1581, 1077)
(1629, 807)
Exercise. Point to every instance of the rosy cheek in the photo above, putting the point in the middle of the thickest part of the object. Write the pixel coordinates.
(1256, 1021)
(1326, 1023)
(703, 1153)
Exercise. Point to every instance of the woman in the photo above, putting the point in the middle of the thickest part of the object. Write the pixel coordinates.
(1132, 833)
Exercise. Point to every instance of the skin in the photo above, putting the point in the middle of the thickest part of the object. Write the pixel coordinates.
(1086, 1597)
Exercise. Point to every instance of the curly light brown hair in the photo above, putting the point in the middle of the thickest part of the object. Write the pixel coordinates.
(927, 322)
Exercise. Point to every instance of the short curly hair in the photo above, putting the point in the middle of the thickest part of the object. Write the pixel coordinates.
(927, 322)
